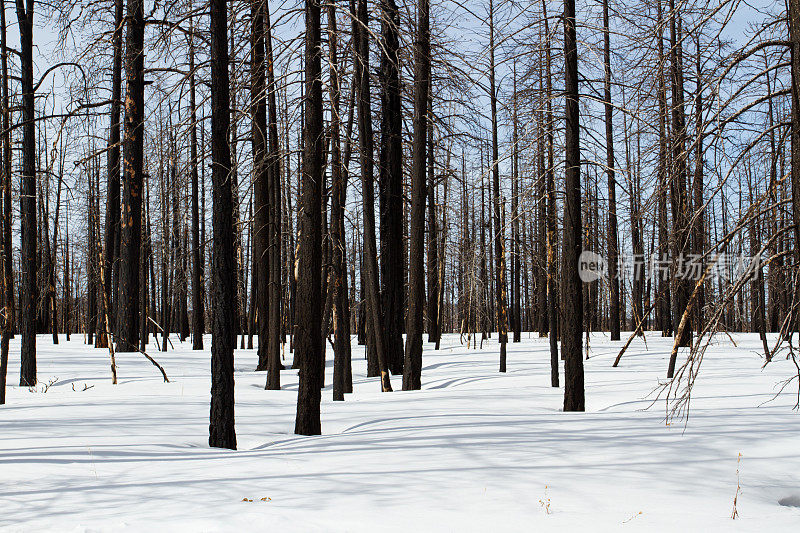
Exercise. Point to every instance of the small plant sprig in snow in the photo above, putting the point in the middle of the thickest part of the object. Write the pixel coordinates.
(545, 502)
(735, 512)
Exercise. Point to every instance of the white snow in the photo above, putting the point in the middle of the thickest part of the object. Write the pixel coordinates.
(475, 450)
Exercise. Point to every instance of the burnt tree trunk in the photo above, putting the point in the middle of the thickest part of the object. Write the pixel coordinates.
(775, 280)
(198, 318)
(131, 221)
(29, 296)
(8, 253)
(433, 245)
(275, 292)
(613, 245)
(91, 269)
(145, 275)
(572, 294)
(341, 343)
(499, 239)
(308, 314)
(412, 368)
(678, 193)
(664, 292)
(374, 308)
(66, 323)
(794, 40)
(258, 106)
(516, 308)
(698, 225)
(223, 265)
(391, 187)
(552, 241)
(112, 229)
(8, 280)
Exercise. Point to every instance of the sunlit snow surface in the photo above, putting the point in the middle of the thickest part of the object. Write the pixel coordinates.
(475, 450)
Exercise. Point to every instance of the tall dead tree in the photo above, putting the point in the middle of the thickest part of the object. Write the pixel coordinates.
(274, 241)
(391, 187)
(634, 195)
(233, 135)
(438, 241)
(29, 296)
(516, 309)
(775, 276)
(552, 240)
(8, 255)
(341, 343)
(163, 179)
(698, 223)
(223, 265)
(145, 275)
(664, 293)
(308, 314)
(112, 227)
(91, 267)
(571, 289)
(198, 318)
(613, 245)
(484, 274)
(65, 285)
(371, 282)
(258, 107)
(794, 42)
(499, 239)
(434, 320)
(8, 282)
(678, 194)
(131, 221)
(412, 368)
(51, 252)
(6, 319)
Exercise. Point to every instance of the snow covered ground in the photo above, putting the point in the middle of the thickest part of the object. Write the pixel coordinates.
(475, 450)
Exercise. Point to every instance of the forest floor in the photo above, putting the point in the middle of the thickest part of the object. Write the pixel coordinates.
(475, 450)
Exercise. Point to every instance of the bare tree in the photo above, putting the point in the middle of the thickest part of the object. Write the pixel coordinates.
(308, 344)
(131, 221)
(412, 368)
(572, 291)
(223, 267)
(29, 291)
